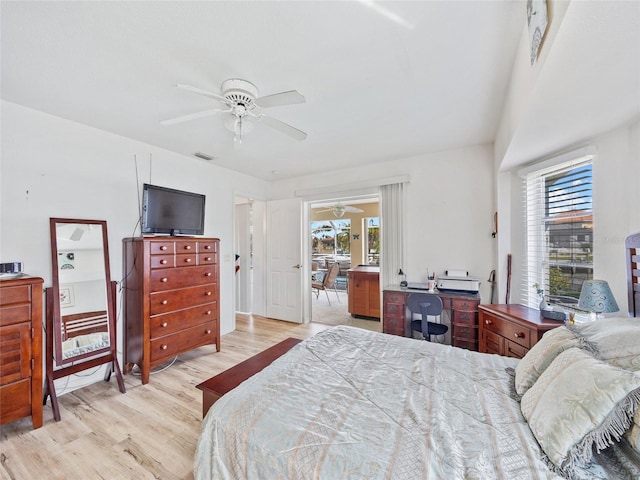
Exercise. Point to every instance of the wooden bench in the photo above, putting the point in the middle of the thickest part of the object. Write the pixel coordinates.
(226, 381)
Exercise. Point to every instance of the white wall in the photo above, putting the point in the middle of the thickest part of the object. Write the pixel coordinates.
(450, 205)
(616, 198)
(52, 167)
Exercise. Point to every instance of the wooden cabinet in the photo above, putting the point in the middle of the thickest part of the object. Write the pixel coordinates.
(511, 330)
(171, 298)
(462, 308)
(364, 291)
(21, 349)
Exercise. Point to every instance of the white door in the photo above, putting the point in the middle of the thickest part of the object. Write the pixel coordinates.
(284, 262)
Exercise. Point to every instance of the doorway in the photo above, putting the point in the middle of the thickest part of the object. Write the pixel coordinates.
(345, 232)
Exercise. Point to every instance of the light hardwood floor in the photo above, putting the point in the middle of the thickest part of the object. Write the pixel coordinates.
(148, 433)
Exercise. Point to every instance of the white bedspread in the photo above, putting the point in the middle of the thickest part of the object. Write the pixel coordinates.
(353, 404)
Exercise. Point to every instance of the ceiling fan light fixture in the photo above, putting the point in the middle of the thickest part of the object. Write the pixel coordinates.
(239, 126)
(339, 210)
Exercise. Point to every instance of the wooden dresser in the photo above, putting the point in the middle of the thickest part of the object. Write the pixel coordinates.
(463, 308)
(511, 330)
(171, 298)
(364, 291)
(21, 349)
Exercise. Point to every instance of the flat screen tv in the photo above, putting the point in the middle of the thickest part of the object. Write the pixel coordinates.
(173, 212)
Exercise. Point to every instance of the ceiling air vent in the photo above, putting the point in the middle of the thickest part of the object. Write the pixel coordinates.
(204, 156)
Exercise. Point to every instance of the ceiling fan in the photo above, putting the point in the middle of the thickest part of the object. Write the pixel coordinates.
(339, 209)
(242, 103)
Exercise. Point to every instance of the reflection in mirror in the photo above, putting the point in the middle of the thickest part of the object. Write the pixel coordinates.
(80, 306)
(82, 291)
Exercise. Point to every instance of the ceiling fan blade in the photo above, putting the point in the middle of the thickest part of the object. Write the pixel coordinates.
(277, 99)
(283, 127)
(199, 91)
(353, 209)
(192, 116)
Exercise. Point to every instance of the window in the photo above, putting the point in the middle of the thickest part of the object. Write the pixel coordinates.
(559, 222)
(372, 227)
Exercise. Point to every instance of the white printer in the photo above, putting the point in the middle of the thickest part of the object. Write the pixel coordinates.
(458, 281)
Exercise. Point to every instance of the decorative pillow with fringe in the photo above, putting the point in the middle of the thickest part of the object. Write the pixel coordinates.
(614, 340)
(579, 403)
(541, 355)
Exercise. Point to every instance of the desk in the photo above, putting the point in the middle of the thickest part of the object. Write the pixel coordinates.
(462, 309)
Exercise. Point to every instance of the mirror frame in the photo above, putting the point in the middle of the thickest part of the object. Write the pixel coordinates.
(57, 314)
(54, 324)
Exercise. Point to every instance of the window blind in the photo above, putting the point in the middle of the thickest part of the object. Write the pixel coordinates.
(557, 206)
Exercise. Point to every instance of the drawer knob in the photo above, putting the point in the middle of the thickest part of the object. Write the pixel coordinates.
(187, 260)
(207, 259)
(207, 331)
(208, 294)
(208, 312)
(187, 247)
(163, 247)
(164, 280)
(164, 302)
(163, 347)
(207, 247)
(519, 335)
(208, 274)
(163, 262)
(488, 322)
(164, 324)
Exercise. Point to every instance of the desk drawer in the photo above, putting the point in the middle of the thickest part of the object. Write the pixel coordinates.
(465, 332)
(466, 318)
(464, 305)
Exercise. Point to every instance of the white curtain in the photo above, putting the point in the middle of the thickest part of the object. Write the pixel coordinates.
(392, 227)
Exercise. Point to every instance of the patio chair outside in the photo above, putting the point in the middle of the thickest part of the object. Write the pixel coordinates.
(329, 281)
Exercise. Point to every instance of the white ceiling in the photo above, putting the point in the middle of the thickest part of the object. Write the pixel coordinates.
(376, 89)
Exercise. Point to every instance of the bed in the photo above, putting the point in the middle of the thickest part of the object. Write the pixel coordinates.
(354, 404)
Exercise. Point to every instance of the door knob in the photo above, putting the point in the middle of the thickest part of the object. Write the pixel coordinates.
(298, 266)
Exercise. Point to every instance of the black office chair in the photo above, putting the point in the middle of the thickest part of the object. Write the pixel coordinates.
(425, 305)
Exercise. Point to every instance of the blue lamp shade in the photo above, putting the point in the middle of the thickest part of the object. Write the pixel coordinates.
(596, 296)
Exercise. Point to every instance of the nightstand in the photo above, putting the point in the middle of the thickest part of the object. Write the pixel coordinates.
(511, 330)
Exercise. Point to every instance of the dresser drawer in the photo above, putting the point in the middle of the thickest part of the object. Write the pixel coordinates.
(514, 350)
(464, 305)
(162, 247)
(163, 261)
(509, 331)
(207, 259)
(168, 323)
(163, 302)
(15, 314)
(186, 246)
(186, 259)
(207, 247)
(172, 278)
(465, 332)
(18, 294)
(169, 346)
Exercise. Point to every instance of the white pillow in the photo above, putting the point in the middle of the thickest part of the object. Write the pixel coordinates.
(580, 402)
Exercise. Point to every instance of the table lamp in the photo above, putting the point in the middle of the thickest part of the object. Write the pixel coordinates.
(596, 296)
